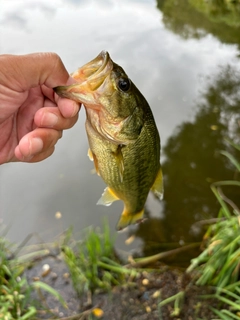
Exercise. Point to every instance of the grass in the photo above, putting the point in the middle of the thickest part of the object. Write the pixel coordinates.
(219, 263)
(218, 266)
(178, 301)
(93, 264)
(15, 291)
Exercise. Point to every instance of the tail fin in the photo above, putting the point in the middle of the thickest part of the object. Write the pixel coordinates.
(128, 218)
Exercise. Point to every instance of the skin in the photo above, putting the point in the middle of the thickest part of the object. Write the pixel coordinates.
(32, 116)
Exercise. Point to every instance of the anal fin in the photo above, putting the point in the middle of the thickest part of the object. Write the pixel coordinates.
(108, 197)
(157, 187)
(126, 219)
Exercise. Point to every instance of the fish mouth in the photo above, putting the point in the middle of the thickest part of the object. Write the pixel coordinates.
(90, 80)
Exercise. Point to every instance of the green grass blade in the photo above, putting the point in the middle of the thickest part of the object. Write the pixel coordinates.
(235, 145)
(227, 213)
(41, 285)
(220, 314)
(229, 302)
(227, 312)
(232, 159)
(29, 315)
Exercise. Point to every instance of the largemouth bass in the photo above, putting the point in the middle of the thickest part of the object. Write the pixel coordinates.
(123, 138)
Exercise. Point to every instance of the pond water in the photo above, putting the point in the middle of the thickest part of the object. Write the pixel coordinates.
(184, 58)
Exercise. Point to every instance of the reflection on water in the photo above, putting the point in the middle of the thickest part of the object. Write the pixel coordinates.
(197, 18)
(179, 57)
(193, 162)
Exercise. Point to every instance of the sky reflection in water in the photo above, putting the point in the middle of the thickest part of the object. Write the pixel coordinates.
(181, 76)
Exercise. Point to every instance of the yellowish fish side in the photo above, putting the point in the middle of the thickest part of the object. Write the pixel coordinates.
(123, 137)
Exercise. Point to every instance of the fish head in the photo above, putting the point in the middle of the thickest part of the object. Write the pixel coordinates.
(114, 106)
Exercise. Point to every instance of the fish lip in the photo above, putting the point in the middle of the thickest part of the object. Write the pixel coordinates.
(105, 59)
(92, 68)
(89, 78)
(98, 77)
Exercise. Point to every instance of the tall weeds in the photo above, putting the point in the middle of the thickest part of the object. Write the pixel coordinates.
(219, 263)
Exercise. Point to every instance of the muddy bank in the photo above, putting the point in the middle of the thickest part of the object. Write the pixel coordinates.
(138, 299)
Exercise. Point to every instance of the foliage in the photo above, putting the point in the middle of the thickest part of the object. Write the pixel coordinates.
(218, 265)
(219, 11)
(15, 291)
(92, 262)
(178, 301)
(196, 18)
(193, 160)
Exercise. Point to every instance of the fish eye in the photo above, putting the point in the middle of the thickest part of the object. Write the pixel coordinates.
(124, 84)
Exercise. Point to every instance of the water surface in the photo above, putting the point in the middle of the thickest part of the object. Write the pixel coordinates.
(184, 61)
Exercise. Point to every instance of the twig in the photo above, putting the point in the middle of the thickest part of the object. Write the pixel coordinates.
(207, 221)
(78, 316)
(145, 261)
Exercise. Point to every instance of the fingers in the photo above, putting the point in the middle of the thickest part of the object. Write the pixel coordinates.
(50, 94)
(37, 145)
(68, 108)
(51, 117)
(33, 70)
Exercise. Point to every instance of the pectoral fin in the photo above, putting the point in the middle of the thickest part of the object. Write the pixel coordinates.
(108, 197)
(90, 154)
(126, 219)
(93, 157)
(157, 187)
(119, 161)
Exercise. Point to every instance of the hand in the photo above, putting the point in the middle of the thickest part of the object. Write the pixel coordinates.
(32, 116)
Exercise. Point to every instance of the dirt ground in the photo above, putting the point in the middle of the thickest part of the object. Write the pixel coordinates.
(137, 300)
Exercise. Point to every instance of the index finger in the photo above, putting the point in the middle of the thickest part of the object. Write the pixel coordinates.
(21, 72)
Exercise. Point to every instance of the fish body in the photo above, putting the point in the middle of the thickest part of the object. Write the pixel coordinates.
(124, 142)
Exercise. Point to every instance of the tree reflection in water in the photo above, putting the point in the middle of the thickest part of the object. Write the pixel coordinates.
(193, 162)
(196, 18)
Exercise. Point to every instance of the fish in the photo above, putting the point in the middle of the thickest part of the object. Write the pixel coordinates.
(124, 141)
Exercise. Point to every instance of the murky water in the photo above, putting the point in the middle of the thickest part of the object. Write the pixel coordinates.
(184, 59)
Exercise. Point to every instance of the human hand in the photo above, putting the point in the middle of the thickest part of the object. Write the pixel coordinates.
(32, 116)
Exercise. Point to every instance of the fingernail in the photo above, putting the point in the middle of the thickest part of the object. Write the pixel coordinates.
(49, 119)
(36, 146)
(76, 107)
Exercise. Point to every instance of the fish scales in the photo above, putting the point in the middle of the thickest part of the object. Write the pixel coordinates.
(124, 142)
(145, 158)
